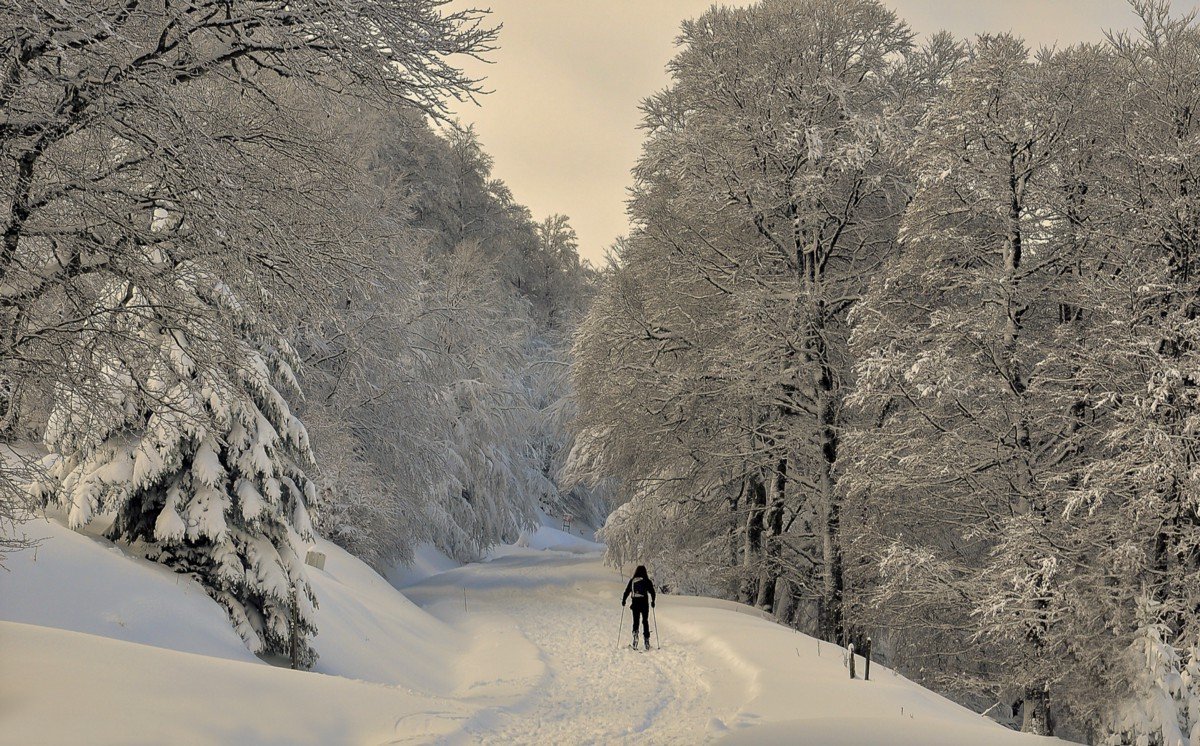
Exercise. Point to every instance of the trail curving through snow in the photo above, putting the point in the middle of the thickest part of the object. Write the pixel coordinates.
(577, 682)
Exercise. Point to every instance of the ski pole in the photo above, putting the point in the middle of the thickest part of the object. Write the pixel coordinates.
(654, 612)
(621, 628)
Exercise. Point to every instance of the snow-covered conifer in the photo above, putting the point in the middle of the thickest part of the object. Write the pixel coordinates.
(198, 457)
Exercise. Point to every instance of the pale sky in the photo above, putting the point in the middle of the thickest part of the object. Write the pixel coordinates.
(561, 122)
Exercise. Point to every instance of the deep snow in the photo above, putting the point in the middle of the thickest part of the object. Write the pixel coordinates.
(528, 647)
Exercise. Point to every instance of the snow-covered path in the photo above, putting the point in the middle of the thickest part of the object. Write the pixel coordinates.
(551, 665)
(528, 648)
(582, 685)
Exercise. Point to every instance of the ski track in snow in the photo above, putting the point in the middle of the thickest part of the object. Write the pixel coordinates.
(584, 687)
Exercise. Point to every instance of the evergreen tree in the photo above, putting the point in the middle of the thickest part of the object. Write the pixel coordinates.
(198, 456)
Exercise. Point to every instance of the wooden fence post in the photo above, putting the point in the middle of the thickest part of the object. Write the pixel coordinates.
(851, 649)
(867, 655)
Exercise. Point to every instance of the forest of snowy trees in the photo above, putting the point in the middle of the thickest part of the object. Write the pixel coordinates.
(253, 285)
(904, 343)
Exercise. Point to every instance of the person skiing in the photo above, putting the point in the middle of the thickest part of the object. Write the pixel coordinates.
(642, 591)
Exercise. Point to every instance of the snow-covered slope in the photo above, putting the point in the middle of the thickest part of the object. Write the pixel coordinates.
(529, 647)
(88, 584)
(61, 687)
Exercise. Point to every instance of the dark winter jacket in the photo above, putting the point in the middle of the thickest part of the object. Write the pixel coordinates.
(641, 589)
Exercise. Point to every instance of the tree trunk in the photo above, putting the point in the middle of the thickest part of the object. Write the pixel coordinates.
(769, 579)
(756, 501)
(791, 608)
(10, 409)
(735, 532)
(1035, 712)
(832, 622)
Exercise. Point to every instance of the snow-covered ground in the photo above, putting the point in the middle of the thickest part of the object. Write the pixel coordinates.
(529, 647)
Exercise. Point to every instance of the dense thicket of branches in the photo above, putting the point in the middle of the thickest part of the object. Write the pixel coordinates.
(903, 343)
(444, 373)
(207, 208)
